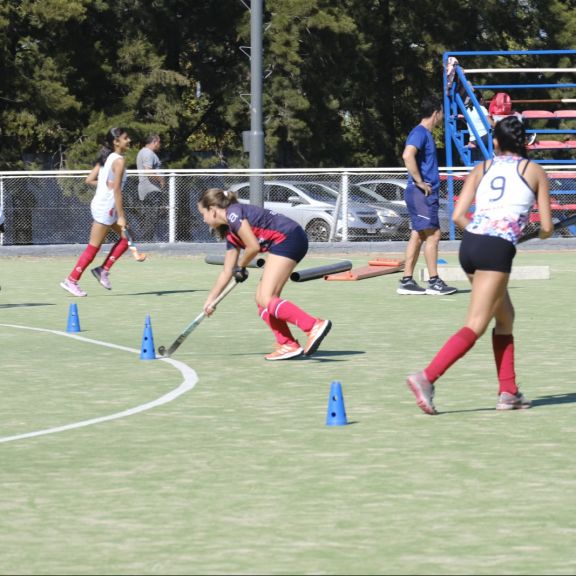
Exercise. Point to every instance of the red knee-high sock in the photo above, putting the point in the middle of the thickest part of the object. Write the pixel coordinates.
(117, 250)
(279, 327)
(289, 312)
(456, 346)
(503, 346)
(83, 262)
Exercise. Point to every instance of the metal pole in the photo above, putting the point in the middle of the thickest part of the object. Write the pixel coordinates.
(449, 116)
(172, 208)
(344, 207)
(337, 208)
(1, 206)
(256, 130)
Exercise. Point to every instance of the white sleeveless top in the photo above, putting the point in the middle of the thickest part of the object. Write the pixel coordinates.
(503, 200)
(103, 205)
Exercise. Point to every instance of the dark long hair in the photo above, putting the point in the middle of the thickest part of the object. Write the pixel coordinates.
(108, 146)
(430, 103)
(511, 136)
(219, 198)
(479, 97)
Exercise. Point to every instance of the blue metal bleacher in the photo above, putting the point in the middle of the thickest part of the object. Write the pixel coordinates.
(550, 126)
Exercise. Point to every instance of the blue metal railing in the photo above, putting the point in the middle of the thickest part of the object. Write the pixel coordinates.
(455, 108)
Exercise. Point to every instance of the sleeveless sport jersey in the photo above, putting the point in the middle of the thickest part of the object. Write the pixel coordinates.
(103, 204)
(503, 200)
(269, 227)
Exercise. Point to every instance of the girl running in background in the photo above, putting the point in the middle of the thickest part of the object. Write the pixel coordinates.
(109, 177)
(255, 230)
(504, 189)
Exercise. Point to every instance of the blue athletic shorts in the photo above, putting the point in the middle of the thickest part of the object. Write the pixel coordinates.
(423, 209)
(481, 252)
(295, 246)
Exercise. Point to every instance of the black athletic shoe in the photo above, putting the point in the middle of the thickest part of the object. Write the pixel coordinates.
(410, 286)
(439, 288)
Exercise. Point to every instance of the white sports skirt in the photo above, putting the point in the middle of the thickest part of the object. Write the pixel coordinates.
(103, 208)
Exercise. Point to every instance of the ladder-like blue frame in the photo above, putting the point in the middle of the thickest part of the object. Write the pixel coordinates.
(455, 108)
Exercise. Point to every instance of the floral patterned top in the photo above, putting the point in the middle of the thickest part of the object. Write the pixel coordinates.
(503, 200)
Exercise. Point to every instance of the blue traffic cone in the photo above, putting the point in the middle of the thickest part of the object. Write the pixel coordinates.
(147, 351)
(336, 411)
(73, 319)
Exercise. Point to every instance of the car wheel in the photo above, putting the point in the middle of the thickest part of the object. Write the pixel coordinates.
(318, 231)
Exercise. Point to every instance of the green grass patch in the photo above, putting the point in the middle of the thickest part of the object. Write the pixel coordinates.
(241, 475)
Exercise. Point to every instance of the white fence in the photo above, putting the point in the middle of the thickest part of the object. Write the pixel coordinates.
(332, 205)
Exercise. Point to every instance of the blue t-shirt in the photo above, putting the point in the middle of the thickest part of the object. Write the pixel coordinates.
(426, 158)
(269, 227)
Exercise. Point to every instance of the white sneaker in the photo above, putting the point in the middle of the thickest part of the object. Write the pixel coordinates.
(102, 276)
(507, 401)
(73, 288)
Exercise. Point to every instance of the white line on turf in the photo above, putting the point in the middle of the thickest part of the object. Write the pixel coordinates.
(190, 380)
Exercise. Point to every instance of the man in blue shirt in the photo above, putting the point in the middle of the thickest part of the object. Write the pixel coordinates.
(423, 202)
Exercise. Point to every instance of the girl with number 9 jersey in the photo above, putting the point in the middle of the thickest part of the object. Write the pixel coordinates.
(504, 189)
(503, 199)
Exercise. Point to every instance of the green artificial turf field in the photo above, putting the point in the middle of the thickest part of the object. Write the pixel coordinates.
(237, 472)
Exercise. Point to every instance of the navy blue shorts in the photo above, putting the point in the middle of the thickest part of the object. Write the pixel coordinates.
(481, 252)
(295, 246)
(423, 209)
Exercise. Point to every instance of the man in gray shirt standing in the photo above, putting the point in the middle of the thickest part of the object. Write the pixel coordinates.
(150, 185)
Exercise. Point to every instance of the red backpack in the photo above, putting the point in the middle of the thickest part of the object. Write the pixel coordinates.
(500, 105)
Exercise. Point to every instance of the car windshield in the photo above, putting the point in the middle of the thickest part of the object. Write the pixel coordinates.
(317, 192)
(355, 193)
(360, 195)
(390, 190)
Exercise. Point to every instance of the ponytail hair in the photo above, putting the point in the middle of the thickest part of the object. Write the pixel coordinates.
(108, 146)
(511, 136)
(218, 198)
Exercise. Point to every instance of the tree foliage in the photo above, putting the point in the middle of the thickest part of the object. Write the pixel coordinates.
(342, 79)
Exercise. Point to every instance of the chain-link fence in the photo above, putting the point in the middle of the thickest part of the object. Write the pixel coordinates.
(331, 205)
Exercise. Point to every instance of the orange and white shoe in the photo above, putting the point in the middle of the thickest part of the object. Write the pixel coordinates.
(316, 335)
(285, 352)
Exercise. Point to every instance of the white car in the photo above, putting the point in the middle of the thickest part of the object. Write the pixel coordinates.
(392, 190)
(393, 216)
(312, 205)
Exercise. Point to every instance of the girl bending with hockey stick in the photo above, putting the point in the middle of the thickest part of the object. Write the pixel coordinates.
(504, 189)
(109, 177)
(255, 230)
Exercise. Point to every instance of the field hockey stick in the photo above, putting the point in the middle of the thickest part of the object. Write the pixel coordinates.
(569, 221)
(195, 323)
(138, 256)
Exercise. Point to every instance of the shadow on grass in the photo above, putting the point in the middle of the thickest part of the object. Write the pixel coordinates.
(337, 353)
(24, 305)
(349, 423)
(569, 398)
(331, 355)
(317, 356)
(442, 412)
(160, 293)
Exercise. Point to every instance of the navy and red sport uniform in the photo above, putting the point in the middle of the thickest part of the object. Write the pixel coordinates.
(276, 233)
